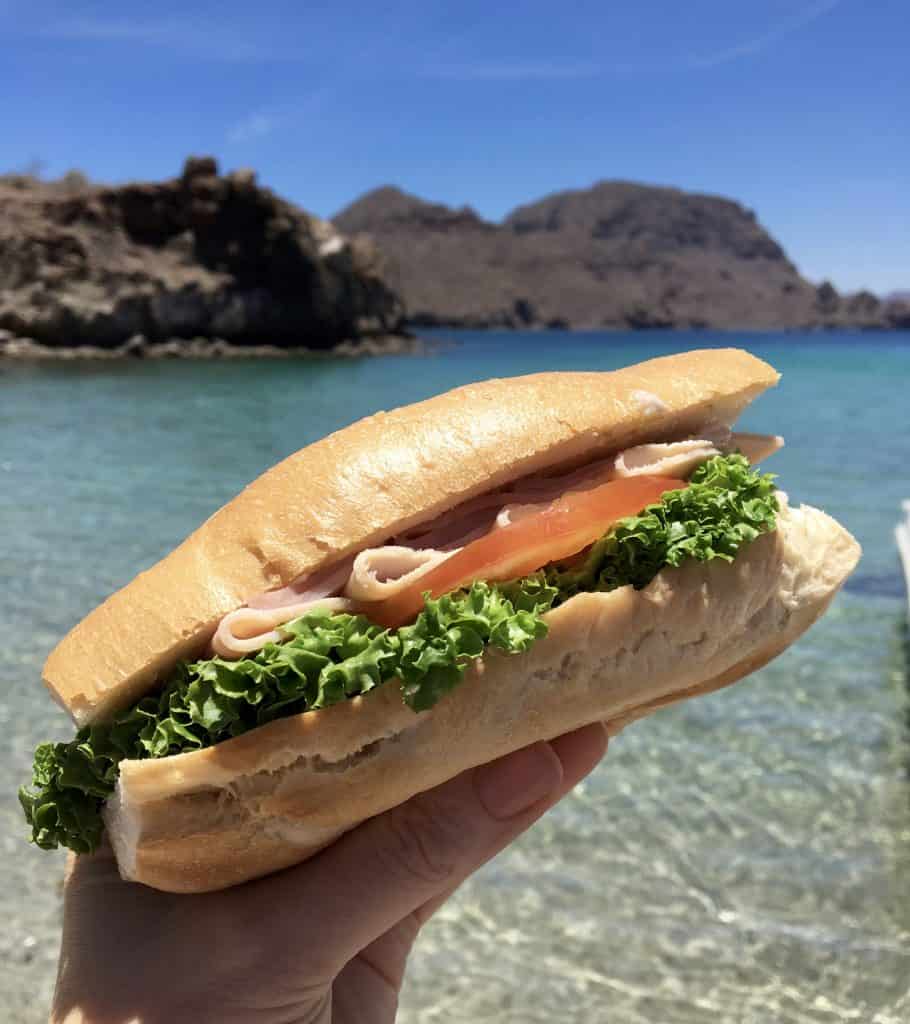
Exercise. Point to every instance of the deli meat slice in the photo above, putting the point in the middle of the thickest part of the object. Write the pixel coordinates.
(757, 447)
(379, 573)
(248, 630)
(325, 583)
(677, 459)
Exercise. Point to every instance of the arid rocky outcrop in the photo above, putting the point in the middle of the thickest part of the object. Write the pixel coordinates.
(614, 255)
(201, 256)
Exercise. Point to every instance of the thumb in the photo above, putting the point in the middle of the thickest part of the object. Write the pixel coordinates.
(397, 862)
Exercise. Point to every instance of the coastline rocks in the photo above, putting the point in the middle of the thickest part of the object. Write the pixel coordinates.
(211, 266)
(199, 256)
(897, 314)
(138, 347)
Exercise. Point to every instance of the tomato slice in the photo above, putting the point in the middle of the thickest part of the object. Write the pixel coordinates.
(563, 528)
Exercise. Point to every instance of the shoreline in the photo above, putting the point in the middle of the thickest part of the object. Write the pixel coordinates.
(138, 348)
(680, 328)
(15, 349)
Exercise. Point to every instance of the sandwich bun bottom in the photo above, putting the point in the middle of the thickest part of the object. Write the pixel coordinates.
(273, 797)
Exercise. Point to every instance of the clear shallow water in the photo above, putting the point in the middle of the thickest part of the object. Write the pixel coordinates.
(742, 858)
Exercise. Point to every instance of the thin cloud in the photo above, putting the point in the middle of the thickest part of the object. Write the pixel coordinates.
(513, 71)
(256, 126)
(784, 28)
(186, 38)
(547, 70)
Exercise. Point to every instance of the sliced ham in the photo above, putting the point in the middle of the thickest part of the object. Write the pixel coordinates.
(454, 528)
(477, 516)
(515, 513)
(757, 447)
(325, 583)
(678, 458)
(249, 629)
(379, 573)
(675, 459)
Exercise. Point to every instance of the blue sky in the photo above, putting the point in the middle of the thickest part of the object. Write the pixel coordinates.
(798, 108)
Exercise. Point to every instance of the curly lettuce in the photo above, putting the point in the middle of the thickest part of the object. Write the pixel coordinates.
(328, 658)
(726, 505)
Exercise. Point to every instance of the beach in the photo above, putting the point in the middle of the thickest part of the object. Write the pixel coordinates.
(741, 858)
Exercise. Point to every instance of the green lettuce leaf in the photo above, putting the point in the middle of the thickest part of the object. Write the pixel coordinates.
(726, 505)
(328, 658)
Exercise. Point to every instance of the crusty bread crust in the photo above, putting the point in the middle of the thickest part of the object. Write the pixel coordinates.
(363, 484)
(271, 798)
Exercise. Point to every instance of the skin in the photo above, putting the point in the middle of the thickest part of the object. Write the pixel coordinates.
(326, 942)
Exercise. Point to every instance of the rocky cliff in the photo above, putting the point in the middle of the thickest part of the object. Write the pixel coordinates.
(200, 256)
(614, 255)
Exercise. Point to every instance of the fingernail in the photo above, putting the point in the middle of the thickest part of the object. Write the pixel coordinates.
(518, 781)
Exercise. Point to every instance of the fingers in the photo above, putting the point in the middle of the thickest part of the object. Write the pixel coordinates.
(579, 752)
(414, 855)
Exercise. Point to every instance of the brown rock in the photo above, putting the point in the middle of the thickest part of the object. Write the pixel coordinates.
(826, 298)
(243, 179)
(197, 256)
(863, 304)
(615, 255)
(897, 314)
(199, 167)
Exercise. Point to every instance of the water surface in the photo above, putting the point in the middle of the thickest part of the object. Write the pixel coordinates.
(742, 858)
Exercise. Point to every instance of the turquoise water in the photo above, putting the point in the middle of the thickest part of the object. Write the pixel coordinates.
(743, 858)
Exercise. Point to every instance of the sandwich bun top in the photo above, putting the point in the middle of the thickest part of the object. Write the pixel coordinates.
(371, 480)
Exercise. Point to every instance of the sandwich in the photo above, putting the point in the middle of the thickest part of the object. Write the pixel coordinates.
(419, 593)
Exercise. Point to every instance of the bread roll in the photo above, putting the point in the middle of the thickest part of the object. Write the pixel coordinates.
(370, 481)
(269, 798)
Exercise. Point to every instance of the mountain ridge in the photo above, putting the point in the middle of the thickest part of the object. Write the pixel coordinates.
(616, 254)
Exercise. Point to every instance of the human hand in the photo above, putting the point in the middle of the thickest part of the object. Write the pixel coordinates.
(322, 943)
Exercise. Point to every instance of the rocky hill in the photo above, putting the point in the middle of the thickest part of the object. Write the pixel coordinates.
(200, 256)
(614, 255)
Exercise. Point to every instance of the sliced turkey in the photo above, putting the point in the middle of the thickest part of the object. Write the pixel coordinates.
(379, 573)
(248, 630)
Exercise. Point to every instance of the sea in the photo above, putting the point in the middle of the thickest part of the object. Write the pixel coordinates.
(739, 859)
